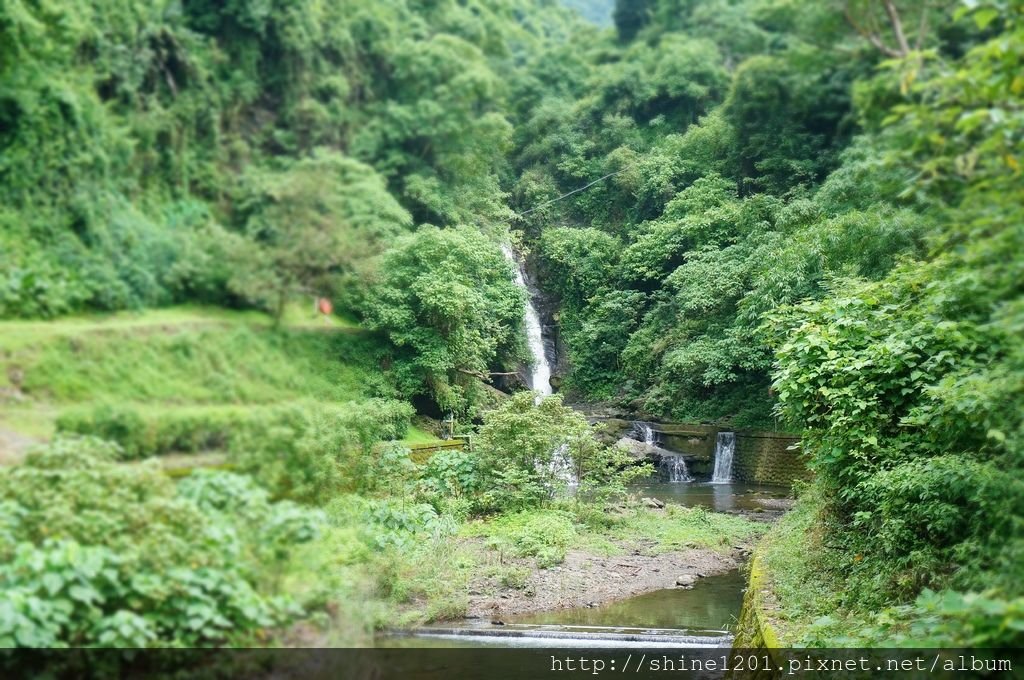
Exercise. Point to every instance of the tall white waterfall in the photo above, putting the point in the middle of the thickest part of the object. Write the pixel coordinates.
(725, 447)
(540, 377)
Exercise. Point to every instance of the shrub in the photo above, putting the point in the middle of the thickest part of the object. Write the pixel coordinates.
(306, 452)
(450, 474)
(273, 527)
(61, 593)
(948, 619)
(530, 452)
(95, 552)
(143, 432)
(388, 523)
(312, 454)
(545, 535)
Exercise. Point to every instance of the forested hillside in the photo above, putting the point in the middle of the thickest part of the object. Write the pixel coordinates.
(777, 214)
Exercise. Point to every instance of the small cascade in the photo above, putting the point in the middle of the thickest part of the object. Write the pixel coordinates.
(540, 377)
(674, 467)
(725, 447)
(645, 433)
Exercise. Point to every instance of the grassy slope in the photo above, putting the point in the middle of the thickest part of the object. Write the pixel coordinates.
(185, 358)
(804, 587)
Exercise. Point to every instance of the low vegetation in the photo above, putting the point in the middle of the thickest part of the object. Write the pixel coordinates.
(103, 552)
(99, 553)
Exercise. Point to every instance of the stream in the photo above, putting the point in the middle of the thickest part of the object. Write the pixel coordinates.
(725, 497)
(675, 617)
(699, 617)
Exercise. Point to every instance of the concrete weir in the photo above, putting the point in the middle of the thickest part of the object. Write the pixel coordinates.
(577, 636)
(757, 456)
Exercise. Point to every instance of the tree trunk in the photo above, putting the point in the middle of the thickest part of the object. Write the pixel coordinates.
(897, 27)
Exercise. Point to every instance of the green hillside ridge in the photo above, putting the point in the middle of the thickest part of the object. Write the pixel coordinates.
(188, 364)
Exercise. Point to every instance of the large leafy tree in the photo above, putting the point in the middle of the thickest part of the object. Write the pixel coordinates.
(321, 218)
(448, 302)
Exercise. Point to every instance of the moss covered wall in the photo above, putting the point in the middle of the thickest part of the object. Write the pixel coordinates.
(688, 438)
(768, 458)
(754, 630)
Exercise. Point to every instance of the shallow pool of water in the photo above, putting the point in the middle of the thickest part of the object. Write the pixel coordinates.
(712, 604)
(701, 616)
(718, 497)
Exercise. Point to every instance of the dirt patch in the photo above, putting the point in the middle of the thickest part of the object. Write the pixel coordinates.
(13, 446)
(586, 580)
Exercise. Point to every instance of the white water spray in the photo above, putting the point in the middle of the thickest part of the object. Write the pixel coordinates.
(672, 465)
(540, 377)
(725, 447)
(675, 467)
(562, 467)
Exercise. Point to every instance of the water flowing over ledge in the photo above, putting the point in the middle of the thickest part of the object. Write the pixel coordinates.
(725, 447)
(540, 376)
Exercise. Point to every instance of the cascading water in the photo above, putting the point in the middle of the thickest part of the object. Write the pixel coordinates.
(645, 433)
(540, 377)
(561, 467)
(675, 467)
(672, 465)
(725, 447)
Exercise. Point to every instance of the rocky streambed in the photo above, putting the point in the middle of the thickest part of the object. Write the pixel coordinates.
(585, 580)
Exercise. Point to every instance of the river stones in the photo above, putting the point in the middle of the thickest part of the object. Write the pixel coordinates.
(686, 580)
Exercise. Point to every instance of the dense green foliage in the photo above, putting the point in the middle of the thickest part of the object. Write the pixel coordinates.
(99, 553)
(447, 300)
(722, 122)
(753, 212)
(911, 387)
(173, 150)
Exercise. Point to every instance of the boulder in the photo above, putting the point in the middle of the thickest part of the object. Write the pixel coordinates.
(686, 580)
(636, 449)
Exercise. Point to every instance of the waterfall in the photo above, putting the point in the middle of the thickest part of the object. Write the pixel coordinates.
(675, 467)
(540, 377)
(672, 465)
(645, 433)
(561, 467)
(725, 446)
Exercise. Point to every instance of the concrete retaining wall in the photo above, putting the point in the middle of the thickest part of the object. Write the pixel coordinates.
(761, 456)
(768, 458)
(421, 453)
(754, 630)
